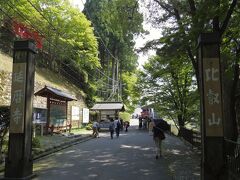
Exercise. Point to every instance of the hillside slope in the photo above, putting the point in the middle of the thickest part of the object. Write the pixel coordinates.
(42, 77)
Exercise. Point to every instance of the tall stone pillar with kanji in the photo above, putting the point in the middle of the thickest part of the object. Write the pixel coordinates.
(213, 166)
(19, 162)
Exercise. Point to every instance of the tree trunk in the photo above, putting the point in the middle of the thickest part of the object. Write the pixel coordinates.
(180, 123)
(230, 123)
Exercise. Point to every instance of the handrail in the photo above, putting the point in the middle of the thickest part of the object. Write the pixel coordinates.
(231, 141)
(232, 153)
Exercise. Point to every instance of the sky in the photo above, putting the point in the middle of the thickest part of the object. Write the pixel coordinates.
(140, 41)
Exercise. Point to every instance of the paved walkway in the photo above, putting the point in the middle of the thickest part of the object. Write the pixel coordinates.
(183, 162)
(179, 162)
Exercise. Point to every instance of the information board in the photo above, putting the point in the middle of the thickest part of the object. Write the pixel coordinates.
(75, 113)
(85, 115)
(58, 114)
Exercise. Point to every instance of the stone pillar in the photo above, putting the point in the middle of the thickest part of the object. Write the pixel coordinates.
(213, 161)
(19, 163)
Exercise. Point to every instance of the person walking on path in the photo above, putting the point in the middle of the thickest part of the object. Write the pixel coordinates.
(95, 127)
(150, 128)
(140, 123)
(111, 128)
(117, 125)
(121, 124)
(158, 136)
(126, 125)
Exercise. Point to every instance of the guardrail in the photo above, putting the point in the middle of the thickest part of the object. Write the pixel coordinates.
(191, 136)
(233, 158)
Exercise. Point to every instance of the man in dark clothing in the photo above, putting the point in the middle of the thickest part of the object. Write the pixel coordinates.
(158, 136)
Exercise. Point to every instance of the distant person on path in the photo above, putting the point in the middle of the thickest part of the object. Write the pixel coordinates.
(144, 123)
(121, 122)
(126, 124)
(150, 127)
(117, 125)
(158, 136)
(149, 120)
(140, 123)
(111, 128)
(95, 127)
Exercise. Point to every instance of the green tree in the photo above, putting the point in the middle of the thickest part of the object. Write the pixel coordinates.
(168, 83)
(183, 21)
(116, 23)
(130, 90)
(68, 39)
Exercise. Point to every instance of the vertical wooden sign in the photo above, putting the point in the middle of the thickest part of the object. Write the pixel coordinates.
(212, 162)
(212, 97)
(18, 95)
(19, 163)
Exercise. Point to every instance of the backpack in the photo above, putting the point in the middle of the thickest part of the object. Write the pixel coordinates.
(157, 132)
(118, 125)
(111, 127)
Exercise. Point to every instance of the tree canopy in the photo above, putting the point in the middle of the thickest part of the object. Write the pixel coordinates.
(116, 24)
(67, 36)
(182, 22)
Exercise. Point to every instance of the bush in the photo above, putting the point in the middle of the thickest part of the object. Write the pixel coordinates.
(89, 126)
(36, 143)
(125, 116)
(4, 126)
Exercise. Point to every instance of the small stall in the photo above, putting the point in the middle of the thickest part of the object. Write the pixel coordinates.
(108, 109)
(57, 105)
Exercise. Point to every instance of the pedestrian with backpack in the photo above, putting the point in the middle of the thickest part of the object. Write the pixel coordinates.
(158, 136)
(117, 126)
(111, 128)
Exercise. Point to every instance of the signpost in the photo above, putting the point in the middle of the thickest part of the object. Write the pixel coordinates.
(85, 115)
(75, 113)
(19, 161)
(211, 107)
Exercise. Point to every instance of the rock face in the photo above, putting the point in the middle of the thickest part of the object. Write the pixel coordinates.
(5, 87)
(41, 102)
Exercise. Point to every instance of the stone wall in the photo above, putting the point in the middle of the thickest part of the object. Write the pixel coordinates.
(41, 102)
(5, 92)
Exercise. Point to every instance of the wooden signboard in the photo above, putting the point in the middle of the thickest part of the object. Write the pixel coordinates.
(18, 96)
(19, 161)
(212, 97)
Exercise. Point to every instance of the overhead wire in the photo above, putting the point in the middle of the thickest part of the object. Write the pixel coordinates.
(109, 85)
(40, 32)
(105, 46)
(43, 64)
(62, 69)
(56, 28)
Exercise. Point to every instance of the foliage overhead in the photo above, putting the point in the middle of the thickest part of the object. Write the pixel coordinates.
(168, 83)
(182, 22)
(116, 23)
(68, 38)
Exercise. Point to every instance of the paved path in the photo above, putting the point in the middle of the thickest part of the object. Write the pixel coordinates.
(129, 157)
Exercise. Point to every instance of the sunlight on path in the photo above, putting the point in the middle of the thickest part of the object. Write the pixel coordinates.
(134, 122)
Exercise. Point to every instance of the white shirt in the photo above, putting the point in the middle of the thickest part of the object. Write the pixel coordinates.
(95, 124)
(115, 122)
